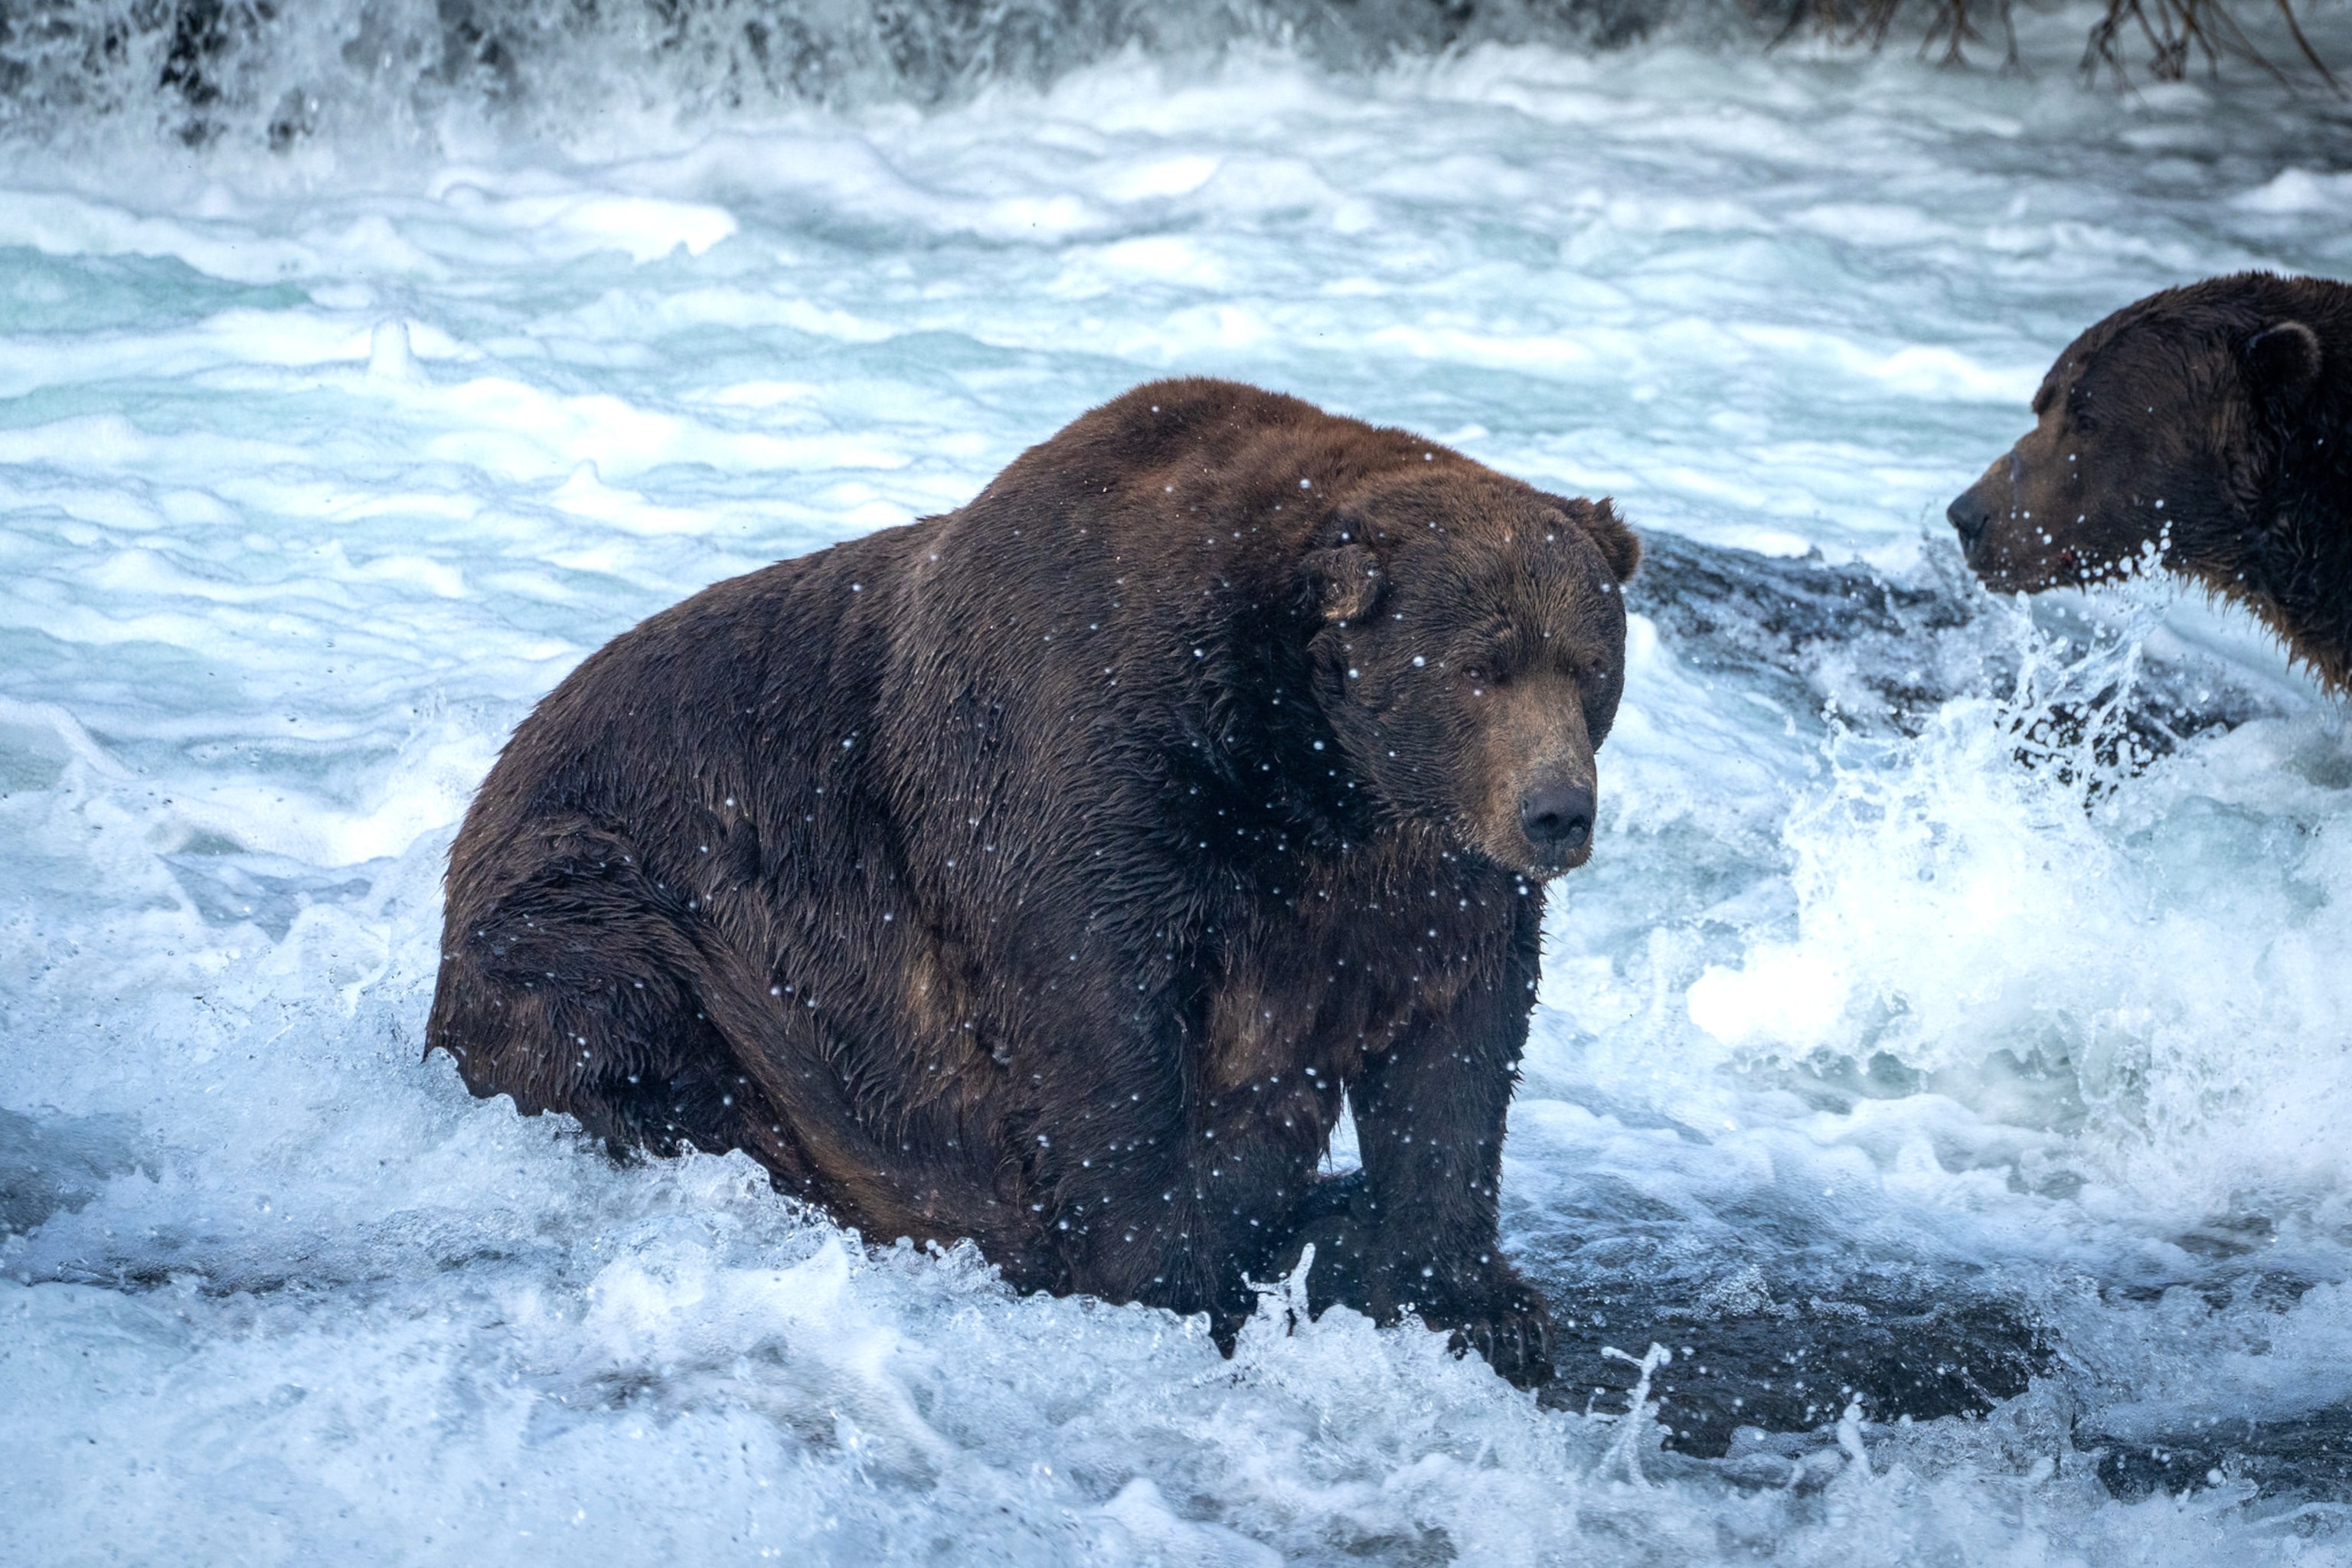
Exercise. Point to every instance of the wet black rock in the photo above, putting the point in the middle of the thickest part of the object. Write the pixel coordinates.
(1802, 624)
(2307, 1456)
(1901, 1346)
(1883, 653)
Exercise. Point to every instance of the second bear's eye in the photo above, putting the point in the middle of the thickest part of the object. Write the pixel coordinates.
(2078, 413)
(1476, 673)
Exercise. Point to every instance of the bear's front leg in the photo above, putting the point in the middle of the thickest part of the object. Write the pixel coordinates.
(1416, 1230)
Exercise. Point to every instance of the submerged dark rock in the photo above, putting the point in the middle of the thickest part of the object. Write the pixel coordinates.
(1883, 653)
(2305, 1456)
(57, 1163)
(1914, 1346)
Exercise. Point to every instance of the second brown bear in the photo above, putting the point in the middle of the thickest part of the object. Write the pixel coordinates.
(1047, 872)
(2208, 426)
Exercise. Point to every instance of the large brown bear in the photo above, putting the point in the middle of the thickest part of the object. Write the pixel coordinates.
(1045, 872)
(2212, 423)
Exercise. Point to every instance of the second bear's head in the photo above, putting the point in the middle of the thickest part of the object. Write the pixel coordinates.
(1468, 649)
(2159, 436)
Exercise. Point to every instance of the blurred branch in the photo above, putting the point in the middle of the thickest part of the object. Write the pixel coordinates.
(2178, 33)
(1953, 23)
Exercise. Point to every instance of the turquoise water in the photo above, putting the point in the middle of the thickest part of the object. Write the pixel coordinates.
(1883, 1018)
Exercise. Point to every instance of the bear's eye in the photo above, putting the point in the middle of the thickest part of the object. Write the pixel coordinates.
(1476, 672)
(2078, 413)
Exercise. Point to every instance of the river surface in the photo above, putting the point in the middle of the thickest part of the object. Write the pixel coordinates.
(1945, 1058)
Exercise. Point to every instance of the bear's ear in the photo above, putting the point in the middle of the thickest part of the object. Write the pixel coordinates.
(1619, 547)
(2282, 361)
(1344, 583)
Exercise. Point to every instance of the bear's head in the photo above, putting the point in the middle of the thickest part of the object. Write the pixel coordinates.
(2155, 430)
(1469, 650)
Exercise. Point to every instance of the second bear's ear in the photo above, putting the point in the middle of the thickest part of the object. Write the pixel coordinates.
(2284, 361)
(1345, 582)
(1619, 547)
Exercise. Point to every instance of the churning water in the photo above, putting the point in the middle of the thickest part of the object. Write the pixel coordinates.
(1945, 1058)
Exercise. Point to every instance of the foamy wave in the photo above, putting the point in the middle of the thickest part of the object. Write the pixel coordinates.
(2031, 908)
(206, 70)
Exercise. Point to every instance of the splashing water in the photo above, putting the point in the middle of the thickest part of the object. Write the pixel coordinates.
(280, 75)
(2024, 881)
(1625, 1448)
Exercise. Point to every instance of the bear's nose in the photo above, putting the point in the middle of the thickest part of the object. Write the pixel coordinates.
(1969, 518)
(1557, 814)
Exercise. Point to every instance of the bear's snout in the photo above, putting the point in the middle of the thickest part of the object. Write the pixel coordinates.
(1557, 816)
(1969, 517)
(1976, 508)
(1535, 784)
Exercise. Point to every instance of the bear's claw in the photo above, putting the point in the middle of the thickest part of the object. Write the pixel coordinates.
(1515, 1341)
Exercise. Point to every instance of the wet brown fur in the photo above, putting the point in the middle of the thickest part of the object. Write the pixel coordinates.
(1043, 873)
(2210, 423)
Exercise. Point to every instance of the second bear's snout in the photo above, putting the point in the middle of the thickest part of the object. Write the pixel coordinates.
(1969, 518)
